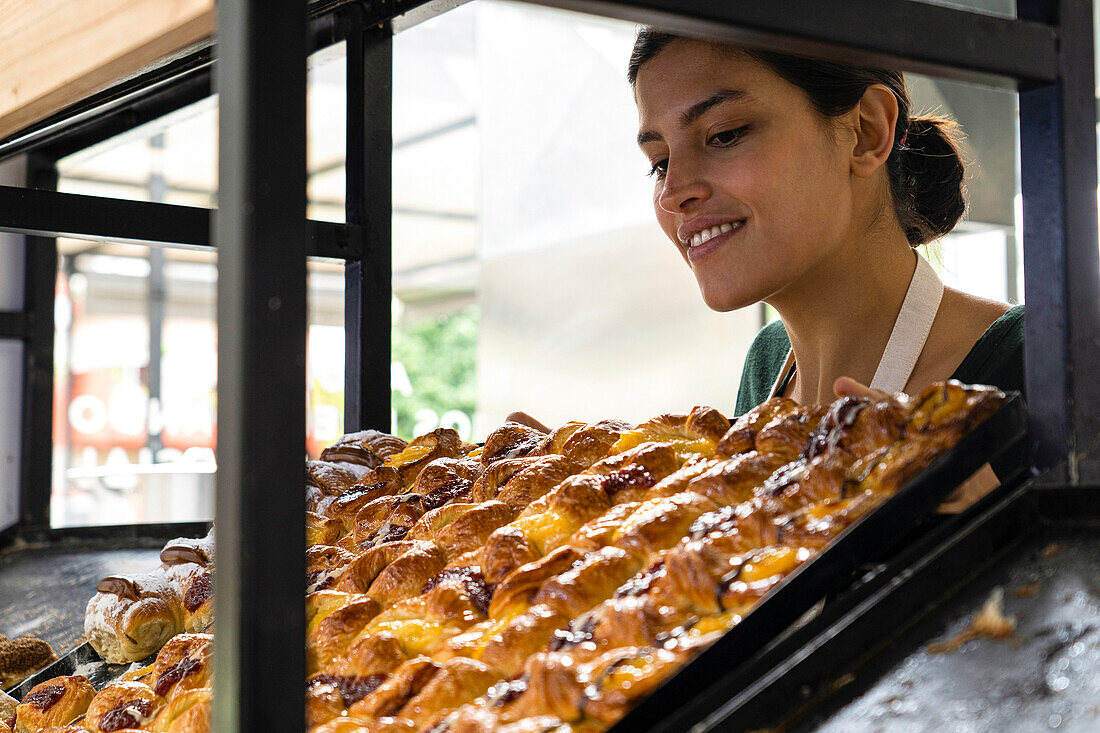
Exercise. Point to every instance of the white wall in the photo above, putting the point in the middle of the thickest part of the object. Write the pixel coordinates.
(12, 173)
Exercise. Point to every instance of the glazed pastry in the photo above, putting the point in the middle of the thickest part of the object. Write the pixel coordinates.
(189, 712)
(55, 702)
(122, 706)
(554, 442)
(593, 442)
(183, 664)
(440, 443)
(741, 436)
(325, 565)
(519, 481)
(447, 480)
(131, 617)
(694, 433)
(367, 448)
(382, 481)
(460, 528)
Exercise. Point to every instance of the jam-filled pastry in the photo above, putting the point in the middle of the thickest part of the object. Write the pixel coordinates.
(183, 664)
(122, 706)
(629, 475)
(198, 603)
(58, 701)
(132, 616)
(511, 440)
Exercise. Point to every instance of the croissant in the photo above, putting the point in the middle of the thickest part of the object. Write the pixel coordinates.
(366, 448)
(511, 440)
(592, 442)
(520, 481)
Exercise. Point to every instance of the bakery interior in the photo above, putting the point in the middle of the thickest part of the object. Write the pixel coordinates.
(425, 132)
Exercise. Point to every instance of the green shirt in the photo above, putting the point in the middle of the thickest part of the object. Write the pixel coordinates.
(997, 358)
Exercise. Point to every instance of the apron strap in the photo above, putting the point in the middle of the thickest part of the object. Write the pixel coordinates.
(911, 329)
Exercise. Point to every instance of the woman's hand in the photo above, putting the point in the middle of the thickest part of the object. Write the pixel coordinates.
(524, 419)
(968, 493)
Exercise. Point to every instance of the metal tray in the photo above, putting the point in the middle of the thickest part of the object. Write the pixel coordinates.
(694, 698)
(81, 660)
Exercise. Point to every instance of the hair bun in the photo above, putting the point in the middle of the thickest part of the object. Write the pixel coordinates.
(931, 179)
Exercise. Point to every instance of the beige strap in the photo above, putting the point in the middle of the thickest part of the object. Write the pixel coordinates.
(911, 329)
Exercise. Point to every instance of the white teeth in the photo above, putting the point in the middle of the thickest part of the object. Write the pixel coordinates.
(712, 232)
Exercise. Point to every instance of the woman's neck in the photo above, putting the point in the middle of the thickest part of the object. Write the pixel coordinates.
(840, 315)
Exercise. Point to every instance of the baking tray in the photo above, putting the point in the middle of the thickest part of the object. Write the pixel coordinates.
(81, 660)
(693, 698)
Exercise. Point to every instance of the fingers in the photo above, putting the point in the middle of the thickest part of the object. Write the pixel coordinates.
(524, 419)
(848, 387)
(973, 489)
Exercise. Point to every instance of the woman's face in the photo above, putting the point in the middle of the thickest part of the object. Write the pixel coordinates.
(751, 184)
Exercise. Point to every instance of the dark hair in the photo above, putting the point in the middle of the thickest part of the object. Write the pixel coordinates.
(924, 168)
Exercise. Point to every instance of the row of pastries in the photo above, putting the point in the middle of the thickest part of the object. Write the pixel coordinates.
(548, 582)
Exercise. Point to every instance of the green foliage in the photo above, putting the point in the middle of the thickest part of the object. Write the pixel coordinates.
(440, 356)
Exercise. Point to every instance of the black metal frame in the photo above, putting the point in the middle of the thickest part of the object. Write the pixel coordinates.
(1046, 54)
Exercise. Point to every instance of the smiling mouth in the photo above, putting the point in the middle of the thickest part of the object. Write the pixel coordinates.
(710, 233)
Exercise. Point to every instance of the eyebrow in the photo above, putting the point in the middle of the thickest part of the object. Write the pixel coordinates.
(697, 110)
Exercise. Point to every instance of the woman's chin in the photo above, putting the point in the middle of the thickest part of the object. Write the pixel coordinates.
(724, 300)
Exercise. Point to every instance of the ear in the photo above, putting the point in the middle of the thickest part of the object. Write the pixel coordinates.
(874, 128)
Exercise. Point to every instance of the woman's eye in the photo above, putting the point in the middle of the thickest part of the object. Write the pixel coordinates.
(659, 168)
(727, 138)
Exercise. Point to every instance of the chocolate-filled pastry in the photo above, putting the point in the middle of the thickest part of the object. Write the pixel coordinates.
(186, 550)
(378, 482)
(332, 479)
(554, 442)
(593, 442)
(189, 712)
(447, 480)
(183, 664)
(660, 523)
(387, 519)
(122, 706)
(587, 582)
(554, 686)
(328, 696)
(520, 481)
(786, 435)
(19, 659)
(57, 701)
(457, 681)
(951, 409)
(131, 617)
(460, 528)
(741, 436)
(366, 448)
(332, 635)
(400, 687)
(440, 443)
(325, 566)
(511, 440)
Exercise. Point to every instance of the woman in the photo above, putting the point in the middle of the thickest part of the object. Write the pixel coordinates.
(806, 185)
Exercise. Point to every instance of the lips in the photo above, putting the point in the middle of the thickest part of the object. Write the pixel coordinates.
(701, 240)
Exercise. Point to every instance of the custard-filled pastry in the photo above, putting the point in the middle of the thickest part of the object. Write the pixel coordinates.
(694, 433)
(548, 521)
(131, 617)
(58, 701)
(321, 530)
(440, 443)
(659, 523)
(511, 440)
(366, 448)
(122, 706)
(950, 410)
(183, 664)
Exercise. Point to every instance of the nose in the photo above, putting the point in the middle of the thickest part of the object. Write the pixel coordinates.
(683, 187)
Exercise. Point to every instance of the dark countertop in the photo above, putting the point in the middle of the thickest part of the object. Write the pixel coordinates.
(44, 590)
(1047, 677)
